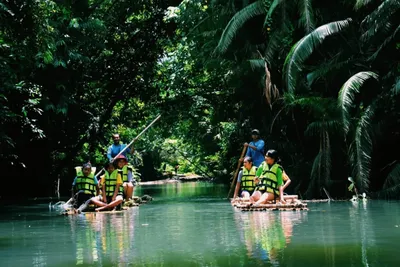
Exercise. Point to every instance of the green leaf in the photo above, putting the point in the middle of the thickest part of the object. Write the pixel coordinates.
(348, 91)
(302, 50)
(239, 19)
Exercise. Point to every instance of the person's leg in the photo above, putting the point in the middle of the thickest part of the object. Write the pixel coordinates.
(265, 197)
(118, 200)
(255, 196)
(245, 194)
(97, 201)
(129, 191)
(86, 198)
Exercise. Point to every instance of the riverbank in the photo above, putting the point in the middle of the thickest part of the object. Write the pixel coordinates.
(168, 179)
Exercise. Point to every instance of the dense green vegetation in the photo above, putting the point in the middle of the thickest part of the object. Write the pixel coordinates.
(319, 79)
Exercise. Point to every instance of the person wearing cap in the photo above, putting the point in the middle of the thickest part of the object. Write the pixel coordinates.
(255, 149)
(115, 148)
(128, 181)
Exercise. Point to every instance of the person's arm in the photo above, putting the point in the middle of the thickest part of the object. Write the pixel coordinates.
(287, 180)
(109, 153)
(259, 146)
(130, 176)
(280, 182)
(96, 182)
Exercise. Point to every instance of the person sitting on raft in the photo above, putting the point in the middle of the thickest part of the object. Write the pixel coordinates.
(269, 179)
(112, 189)
(86, 187)
(245, 181)
(128, 180)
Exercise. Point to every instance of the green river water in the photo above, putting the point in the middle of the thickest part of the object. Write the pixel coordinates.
(191, 224)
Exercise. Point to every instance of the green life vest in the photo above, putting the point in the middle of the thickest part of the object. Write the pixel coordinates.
(125, 170)
(247, 182)
(111, 182)
(268, 179)
(85, 183)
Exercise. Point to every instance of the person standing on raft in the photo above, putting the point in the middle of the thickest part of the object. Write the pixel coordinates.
(115, 148)
(255, 149)
(245, 181)
(269, 178)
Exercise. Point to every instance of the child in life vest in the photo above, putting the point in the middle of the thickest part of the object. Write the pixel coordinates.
(85, 188)
(245, 181)
(112, 189)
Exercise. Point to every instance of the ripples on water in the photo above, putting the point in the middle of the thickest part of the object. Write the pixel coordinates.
(191, 224)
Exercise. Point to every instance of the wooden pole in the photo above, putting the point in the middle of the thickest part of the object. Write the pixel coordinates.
(233, 184)
(128, 145)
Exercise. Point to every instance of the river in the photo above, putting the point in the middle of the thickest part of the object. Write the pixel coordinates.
(191, 224)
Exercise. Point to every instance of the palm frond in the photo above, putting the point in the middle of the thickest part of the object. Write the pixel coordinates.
(391, 186)
(271, 10)
(347, 94)
(239, 19)
(316, 127)
(326, 68)
(361, 3)
(320, 172)
(362, 146)
(306, 15)
(387, 41)
(257, 64)
(381, 13)
(305, 47)
(318, 106)
(396, 86)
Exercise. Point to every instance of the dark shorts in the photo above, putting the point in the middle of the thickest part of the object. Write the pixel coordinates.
(81, 198)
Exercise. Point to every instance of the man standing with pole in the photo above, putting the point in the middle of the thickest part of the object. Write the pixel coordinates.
(116, 148)
(255, 149)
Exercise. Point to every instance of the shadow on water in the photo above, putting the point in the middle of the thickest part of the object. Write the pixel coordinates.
(191, 224)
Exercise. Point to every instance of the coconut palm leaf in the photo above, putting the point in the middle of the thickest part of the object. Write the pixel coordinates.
(387, 41)
(347, 94)
(271, 10)
(381, 13)
(362, 148)
(306, 15)
(257, 64)
(239, 19)
(327, 68)
(396, 86)
(331, 125)
(361, 3)
(391, 186)
(300, 52)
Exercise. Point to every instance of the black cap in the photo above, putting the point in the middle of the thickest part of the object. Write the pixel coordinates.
(255, 131)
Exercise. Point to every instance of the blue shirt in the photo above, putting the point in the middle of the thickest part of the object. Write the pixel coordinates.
(113, 150)
(256, 155)
(95, 181)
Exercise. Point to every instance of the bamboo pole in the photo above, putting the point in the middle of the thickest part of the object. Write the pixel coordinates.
(236, 173)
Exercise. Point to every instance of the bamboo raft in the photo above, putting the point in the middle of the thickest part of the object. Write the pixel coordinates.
(135, 202)
(292, 203)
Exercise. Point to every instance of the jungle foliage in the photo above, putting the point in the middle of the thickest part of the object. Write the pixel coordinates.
(319, 79)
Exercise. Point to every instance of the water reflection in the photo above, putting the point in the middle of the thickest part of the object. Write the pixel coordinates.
(101, 238)
(267, 234)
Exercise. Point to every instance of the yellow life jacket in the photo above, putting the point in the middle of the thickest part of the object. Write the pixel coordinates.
(268, 179)
(111, 182)
(247, 182)
(85, 183)
(125, 170)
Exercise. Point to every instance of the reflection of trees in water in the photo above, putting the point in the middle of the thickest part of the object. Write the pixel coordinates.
(362, 228)
(181, 190)
(107, 235)
(266, 234)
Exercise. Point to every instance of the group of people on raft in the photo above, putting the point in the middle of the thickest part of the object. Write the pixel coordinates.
(108, 192)
(262, 178)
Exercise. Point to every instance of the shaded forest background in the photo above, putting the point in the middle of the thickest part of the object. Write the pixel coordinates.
(319, 79)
